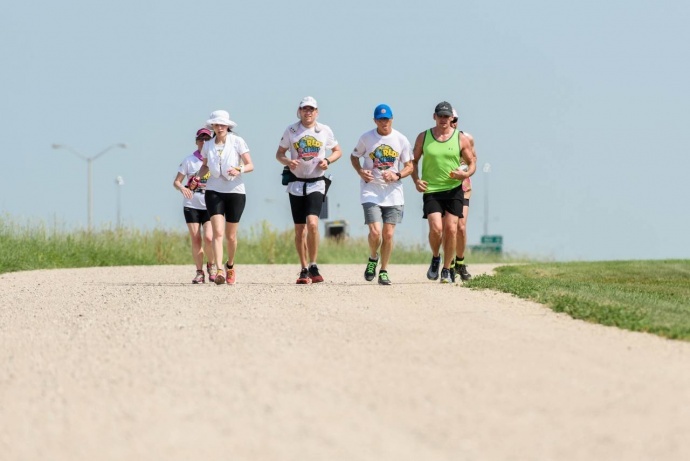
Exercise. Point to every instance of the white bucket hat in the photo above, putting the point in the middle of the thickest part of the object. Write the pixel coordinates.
(220, 117)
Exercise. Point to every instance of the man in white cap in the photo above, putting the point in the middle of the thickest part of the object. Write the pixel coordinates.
(458, 267)
(307, 142)
(440, 149)
(382, 157)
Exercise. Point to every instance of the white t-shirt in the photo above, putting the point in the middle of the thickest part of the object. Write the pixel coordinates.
(190, 167)
(308, 145)
(220, 158)
(380, 153)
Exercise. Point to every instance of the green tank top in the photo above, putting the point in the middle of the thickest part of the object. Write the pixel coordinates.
(439, 159)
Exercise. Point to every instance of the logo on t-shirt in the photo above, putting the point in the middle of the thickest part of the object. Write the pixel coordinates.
(308, 148)
(384, 157)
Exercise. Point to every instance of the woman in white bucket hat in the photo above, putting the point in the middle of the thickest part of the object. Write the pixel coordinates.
(226, 157)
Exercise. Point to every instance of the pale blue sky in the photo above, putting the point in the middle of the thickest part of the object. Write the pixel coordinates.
(581, 108)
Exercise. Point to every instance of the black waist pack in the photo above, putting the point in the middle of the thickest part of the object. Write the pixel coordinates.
(288, 176)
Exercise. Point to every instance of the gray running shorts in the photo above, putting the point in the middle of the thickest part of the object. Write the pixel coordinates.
(385, 214)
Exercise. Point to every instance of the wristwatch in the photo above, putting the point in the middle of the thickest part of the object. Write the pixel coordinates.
(399, 175)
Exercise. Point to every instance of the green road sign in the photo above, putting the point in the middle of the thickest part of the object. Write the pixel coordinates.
(492, 239)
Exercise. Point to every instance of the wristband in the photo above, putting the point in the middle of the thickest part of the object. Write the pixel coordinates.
(328, 161)
(399, 175)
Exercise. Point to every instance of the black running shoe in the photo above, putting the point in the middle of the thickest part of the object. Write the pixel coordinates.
(383, 278)
(445, 275)
(314, 274)
(462, 270)
(370, 271)
(452, 271)
(303, 277)
(432, 273)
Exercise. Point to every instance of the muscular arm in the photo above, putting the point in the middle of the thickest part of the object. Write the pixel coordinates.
(417, 152)
(468, 157)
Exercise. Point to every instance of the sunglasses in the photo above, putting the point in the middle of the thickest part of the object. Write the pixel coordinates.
(203, 138)
(455, 120)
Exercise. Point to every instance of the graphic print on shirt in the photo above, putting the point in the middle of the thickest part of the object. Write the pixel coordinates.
(308, 148)
(384, 157)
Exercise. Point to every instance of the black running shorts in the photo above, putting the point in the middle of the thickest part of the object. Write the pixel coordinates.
(229, 205)
(304, 205)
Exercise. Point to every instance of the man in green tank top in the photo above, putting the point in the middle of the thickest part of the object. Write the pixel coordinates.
(442, 150)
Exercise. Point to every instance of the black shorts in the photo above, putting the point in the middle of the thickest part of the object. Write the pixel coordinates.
(229, 205)
(447, 201)
(466, 202)
(304, 205)
(194, 215)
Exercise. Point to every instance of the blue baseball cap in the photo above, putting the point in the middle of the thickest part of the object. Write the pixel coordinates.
(383, 111)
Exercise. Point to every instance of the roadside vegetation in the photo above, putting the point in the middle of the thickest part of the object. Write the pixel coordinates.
(37, 246)
(646, 296)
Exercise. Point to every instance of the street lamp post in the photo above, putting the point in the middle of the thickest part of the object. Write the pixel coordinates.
(486, 170)
(119, 181)
(89, 173)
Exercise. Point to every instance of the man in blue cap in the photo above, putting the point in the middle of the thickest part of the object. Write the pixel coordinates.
(382, 157)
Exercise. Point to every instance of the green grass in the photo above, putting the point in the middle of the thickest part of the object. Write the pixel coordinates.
(36, 246)
(648, 296)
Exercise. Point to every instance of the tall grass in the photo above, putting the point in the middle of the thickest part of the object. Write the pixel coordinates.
(37, 246)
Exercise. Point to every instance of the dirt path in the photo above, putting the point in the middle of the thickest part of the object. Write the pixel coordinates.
(137, 364)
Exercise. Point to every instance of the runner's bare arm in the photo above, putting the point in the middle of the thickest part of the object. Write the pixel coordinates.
(417, 152)
(336, 153)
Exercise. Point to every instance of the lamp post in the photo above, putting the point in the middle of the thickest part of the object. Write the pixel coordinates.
(89, 173)
(119, 182)
(486, 170)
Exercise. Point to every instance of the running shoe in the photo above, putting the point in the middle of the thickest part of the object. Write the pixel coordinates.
(370, 271)
(230, 279)
(462, 270)
(452, 271)
(314, 274)
(432, 273)
(383, 278)
(199, 278)
(445, 276)
(211, 269)
(304, 277)
(220, 277)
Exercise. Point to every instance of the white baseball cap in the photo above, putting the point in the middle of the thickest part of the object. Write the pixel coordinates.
(455, 113)
(220, 117)
(308, 101)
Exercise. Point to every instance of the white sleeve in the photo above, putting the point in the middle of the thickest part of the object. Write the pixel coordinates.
(331, 142)
(360, 148)
(285, 140)
(241, 146)
(406, 151)
(182, 169)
